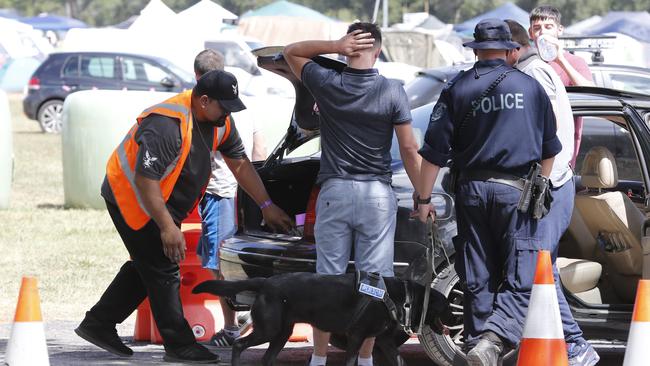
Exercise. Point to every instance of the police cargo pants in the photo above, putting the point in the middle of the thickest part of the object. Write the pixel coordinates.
(149, 272)
(496, 253)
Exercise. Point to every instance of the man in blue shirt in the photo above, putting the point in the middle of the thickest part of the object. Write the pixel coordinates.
(493, 122)
(359, 110)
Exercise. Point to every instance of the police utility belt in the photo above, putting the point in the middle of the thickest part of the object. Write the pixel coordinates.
(535, 191)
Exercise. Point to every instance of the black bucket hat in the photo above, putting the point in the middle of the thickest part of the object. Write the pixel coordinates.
(492, 34)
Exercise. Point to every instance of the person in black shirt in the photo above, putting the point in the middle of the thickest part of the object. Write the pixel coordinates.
(158, 246)
(493, 122)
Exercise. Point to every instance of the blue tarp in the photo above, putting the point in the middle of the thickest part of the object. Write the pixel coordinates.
(53, 22)
(505, 11)
(635, 24)
(287, 8)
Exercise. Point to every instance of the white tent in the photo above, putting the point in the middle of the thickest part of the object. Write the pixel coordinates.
(583, 25)
(207, 10)
(155, 16)
(205, 19)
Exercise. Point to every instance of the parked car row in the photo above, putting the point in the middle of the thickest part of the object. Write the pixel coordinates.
(67, 72)
(601, 302)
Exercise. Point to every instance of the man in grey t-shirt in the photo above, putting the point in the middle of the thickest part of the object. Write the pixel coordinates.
(558, 219)
(359, 110)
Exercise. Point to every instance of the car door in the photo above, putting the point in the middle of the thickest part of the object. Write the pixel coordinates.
(98, 71)
(143, 74)
(642, 133)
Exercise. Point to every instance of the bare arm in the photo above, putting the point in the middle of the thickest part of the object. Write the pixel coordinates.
(259, 147)
(408, 150)
(428, 176)
(299, 53)
(250, 181)
(574, 75)
(170, 234)
(547, 166)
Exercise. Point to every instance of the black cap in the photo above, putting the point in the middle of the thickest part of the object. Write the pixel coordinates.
(221, 86)
(492, 34)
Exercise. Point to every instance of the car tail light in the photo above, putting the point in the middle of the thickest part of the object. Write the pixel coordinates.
(34, 83)
(310, 215)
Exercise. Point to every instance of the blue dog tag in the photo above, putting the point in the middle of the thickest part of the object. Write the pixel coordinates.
(371, 291)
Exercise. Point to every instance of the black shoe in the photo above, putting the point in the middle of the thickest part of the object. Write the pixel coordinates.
(194, 353)
(104, 338)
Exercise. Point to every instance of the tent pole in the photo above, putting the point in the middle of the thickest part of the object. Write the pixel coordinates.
(374, 13)
(385, 14)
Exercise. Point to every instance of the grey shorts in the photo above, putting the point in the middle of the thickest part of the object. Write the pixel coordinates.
(359, 213)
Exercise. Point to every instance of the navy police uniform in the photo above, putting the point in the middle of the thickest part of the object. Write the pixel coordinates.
(507, 131)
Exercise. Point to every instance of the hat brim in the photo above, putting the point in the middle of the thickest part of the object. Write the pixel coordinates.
(232, 105)
(492, 45)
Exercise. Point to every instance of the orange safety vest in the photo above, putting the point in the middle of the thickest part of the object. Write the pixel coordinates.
(120, 170)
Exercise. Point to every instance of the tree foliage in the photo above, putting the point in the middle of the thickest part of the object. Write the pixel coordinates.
(108, 12)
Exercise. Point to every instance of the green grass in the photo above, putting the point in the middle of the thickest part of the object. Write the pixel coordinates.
(74, 253)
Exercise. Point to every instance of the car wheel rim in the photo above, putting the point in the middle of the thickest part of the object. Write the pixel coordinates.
(52, 117)
(456, 297)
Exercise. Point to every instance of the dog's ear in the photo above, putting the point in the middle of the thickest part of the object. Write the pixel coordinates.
(206, 286)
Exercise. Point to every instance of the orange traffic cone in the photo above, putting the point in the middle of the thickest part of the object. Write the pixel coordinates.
(638, 352)
(27, 342)
(543, 343)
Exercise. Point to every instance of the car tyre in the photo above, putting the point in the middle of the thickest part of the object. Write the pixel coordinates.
(445, 349)
(50, 116)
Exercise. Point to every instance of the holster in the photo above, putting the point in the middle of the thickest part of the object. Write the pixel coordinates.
(526, 197)
(541, 197)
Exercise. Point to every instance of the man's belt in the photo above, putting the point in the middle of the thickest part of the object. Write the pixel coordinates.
(494, 177)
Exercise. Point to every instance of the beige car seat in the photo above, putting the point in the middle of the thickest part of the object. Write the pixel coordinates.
(613, 219)
(581, 278)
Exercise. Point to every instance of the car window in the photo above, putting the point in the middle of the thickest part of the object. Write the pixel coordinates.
(598, 131)
(630, 82)
(136, 69)
(423, 89)
(71, 67)
(98, 66)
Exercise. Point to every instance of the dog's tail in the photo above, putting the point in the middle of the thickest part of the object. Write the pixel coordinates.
(228, 288)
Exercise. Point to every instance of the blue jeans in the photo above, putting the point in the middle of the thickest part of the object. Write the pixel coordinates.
(217, 224)
(362, 214)
(553, 226)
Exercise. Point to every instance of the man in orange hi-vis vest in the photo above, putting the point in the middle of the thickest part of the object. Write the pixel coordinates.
(153, 180)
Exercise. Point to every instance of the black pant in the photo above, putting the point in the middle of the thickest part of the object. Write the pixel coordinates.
(149, 272)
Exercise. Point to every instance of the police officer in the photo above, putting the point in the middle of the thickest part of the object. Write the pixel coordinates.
(493, 123)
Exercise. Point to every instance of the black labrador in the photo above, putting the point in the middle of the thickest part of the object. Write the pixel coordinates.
(328, 302)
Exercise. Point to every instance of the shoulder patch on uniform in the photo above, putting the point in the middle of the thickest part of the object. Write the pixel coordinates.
(453, 80)
(438, 111)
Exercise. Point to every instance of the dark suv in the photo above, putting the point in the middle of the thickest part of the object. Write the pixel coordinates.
(67, 72)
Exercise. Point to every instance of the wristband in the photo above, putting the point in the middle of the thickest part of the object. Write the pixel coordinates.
(423, 201)
(266, 204)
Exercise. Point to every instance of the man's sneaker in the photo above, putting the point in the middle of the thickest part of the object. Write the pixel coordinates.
(222, 339)
(244, 321)
(104, 338)
(485, 353)
(586, 356)
(194, 353)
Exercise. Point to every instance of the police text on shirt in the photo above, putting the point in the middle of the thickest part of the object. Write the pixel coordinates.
(500, 102)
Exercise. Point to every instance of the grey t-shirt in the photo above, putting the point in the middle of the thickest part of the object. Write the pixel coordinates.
(358, 111)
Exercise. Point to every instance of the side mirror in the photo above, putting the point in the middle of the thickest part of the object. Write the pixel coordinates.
(167, 82)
